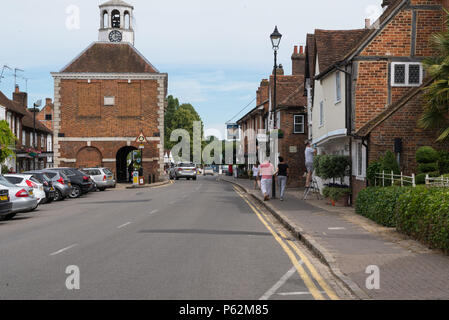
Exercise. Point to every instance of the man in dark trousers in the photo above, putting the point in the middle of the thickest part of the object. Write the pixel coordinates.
(130, 171)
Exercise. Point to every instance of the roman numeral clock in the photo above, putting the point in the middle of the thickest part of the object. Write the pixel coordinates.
(115, 36)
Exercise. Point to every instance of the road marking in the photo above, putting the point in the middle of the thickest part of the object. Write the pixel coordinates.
(337, 228)
(124, 225)
(279, 284)
(302, 273)
(62, 250)
(300, 293)
(154, 211)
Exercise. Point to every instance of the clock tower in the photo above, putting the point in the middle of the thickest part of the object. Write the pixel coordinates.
(116, 22)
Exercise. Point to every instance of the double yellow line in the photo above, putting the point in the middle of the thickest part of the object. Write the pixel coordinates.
(316, 293)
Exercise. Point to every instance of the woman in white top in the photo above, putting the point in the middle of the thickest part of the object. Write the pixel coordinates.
(256, 175)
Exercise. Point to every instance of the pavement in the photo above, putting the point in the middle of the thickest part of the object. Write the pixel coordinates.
(196, 240)
(353, 246)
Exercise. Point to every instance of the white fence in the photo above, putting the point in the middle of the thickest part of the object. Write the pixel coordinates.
(385, 179)
(437, 182)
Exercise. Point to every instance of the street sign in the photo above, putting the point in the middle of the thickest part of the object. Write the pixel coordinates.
(233, 131)
(141, 139)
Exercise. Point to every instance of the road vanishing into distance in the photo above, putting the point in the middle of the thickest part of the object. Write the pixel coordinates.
(195, 240)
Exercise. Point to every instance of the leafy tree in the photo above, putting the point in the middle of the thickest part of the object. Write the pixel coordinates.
(389, 163)
(7, 139)
(172, 106)
(436, 109)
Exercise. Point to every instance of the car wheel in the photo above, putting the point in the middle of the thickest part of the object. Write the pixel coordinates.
(9, 216)
(76, 192)
(58, 196)
(194, 179)
(102, 189)
(177, 178)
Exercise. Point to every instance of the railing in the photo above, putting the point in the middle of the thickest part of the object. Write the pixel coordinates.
(441, 182)
(385, 179)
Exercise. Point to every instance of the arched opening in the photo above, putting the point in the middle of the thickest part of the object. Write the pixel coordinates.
(123, 162)
(127, 20)
(105, 19)
(89, 157)
(115, 19)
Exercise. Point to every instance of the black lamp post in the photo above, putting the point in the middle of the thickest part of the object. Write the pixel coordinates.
(36, 104)
(275, 41)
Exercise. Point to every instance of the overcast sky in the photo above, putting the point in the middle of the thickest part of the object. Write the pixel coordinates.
(215, 52)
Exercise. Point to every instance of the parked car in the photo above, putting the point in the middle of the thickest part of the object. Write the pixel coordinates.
(5, 202)
(63, 187)
(47, 182)
(184, 170)
(22, 198)
(102, 177)
(27, 180)
(81, 183)
(208, 171)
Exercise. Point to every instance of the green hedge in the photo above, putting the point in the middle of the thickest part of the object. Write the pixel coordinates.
(426, 155)
(379, 204)
(423, 213)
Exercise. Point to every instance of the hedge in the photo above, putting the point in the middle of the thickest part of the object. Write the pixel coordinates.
(379, 204)
(421, 212)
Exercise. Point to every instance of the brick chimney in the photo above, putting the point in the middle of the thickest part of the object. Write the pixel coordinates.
(20, 97)
(298, 61)
(48, 102)
(367, 23)
(280, 70)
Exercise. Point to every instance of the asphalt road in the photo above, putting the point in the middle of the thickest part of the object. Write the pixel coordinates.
(196, 240)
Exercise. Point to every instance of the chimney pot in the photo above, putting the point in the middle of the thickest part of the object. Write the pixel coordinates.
(17, 90)
(367, 23)
(296, 50)
(301, 49)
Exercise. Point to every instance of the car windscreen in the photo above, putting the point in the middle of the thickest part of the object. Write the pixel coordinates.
(107, 171)
(51, 175)
(14, 180)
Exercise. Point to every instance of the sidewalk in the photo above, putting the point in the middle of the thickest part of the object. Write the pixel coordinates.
(349, 243)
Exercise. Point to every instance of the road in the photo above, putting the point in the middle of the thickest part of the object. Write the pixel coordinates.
(196, 240)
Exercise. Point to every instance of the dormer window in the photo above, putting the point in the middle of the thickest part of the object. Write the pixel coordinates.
(115, 19)
(406, 74)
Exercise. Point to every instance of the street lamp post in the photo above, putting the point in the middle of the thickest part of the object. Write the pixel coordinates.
(275, 41)
(36, 104)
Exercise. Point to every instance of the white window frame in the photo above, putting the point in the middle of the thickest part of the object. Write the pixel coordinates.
(24, 137)
(337, 87)
(407, 70)
(321, 113)
(296, 122)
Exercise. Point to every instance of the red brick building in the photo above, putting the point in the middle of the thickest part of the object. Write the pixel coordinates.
(106, 97)
(291, 117)
(45, 115)
(383, 78)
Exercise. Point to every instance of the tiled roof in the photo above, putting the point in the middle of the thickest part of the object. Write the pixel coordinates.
(11, 105)
(333, 45)
(110, 58)
(296, 98)
(310, 53)
(287, 90)
(27, 121)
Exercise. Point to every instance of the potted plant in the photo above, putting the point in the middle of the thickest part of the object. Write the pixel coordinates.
(334, 167)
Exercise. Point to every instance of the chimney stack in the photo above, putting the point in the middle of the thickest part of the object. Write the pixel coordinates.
(298, 61)
(367, 23)
(20, 97)
(48, 101)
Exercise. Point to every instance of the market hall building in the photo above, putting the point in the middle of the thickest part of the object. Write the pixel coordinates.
(106, 98)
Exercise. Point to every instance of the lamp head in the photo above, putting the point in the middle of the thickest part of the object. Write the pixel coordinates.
(275, 39)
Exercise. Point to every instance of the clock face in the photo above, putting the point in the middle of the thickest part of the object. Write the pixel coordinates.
(115, 36)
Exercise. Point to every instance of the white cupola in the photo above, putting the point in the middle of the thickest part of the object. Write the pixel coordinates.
(116, 22)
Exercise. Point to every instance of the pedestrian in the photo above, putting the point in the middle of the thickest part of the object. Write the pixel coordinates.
(266, 182)
(130, 171)
(282, 175)
(256, 175)
(309, 156)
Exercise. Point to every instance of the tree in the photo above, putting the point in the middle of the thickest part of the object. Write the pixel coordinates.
(172, 106)
(7, 139)
(436, 109)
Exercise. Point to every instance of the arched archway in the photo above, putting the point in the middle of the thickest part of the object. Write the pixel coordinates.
(89, 157)
(122, 164)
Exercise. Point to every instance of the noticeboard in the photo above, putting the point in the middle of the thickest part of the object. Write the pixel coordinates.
(233, 131)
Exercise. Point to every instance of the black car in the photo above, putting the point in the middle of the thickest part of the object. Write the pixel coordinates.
(49, 188)
(5, 203)
(81, 183)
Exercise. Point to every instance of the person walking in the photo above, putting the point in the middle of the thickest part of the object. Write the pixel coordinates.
(266, 182)
(282, 175)
(256, 175)
(309, 155)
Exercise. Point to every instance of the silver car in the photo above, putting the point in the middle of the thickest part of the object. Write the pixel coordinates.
(103, 177)
(61, 183)
(22, 198)
(183, 170)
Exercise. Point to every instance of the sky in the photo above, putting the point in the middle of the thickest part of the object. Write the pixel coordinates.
(215, 52)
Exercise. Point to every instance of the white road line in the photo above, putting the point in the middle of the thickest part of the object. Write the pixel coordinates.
(124, 225)
(300, 293)
(337, 228)
(154, 211)
(62, 250)
(280, 283)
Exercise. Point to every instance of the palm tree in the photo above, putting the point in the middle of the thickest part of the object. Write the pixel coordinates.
(436, 109)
